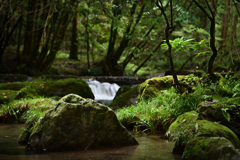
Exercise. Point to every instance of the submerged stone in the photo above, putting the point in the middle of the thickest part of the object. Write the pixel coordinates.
(78, 123)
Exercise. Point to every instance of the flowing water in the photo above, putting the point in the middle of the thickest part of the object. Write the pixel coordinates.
(103, 92)
(149, 148)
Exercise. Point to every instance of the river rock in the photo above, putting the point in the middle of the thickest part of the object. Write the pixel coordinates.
(79, 123)
(227, 114)
(187, 126)
(212, 148)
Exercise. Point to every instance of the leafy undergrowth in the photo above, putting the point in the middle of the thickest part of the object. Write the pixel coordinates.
(158, 113)
(25, 110)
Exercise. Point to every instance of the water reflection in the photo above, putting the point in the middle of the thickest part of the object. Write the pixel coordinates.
(149, 148)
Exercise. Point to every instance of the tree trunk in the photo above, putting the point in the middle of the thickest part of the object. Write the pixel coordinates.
(168, 31)
(74, 42)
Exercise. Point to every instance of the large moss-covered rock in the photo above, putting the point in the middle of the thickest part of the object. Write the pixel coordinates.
(58, 88)
(78, 123)
(186, 127)
(152, 87)
(125, 97)
(210, 148)
(182, 130)
(226, 114)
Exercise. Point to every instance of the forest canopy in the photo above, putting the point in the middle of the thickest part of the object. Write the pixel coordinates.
(119, 37)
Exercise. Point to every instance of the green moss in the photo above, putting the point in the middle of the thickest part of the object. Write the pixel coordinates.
(25, 110)
(214, 129)
(186, 127)
(214, 148)
(183, 127)
(152, 87)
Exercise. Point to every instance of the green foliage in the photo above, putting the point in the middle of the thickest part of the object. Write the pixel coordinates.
(159, 112)
(27, 110)
(180, 44)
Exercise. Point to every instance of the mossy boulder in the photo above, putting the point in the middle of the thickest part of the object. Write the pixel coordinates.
(206, 148)
(186, 127)
(125, 96)
(79, 123)
(58, 88)
(226, 114)
(152, 87)
(182, 130)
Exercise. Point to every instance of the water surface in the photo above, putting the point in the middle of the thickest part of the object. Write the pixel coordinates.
(149, 148)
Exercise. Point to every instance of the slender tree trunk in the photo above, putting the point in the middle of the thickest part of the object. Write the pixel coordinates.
(168, 32)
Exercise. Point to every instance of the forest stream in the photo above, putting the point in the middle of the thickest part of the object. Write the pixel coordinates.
(151, 147)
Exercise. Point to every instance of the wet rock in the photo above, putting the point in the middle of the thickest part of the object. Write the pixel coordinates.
(186, 127)
(78, 123)
(214, 148)
(227, 114)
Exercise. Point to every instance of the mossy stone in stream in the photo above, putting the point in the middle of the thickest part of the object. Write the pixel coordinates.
(79, 123)
(187, 127)
(210, 148)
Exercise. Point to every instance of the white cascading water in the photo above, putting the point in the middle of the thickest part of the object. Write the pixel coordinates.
(103, 91)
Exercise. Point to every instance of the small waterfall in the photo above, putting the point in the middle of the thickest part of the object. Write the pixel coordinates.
(103, 92)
